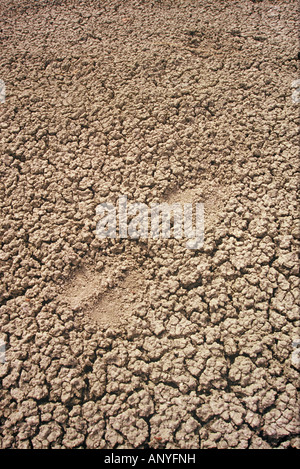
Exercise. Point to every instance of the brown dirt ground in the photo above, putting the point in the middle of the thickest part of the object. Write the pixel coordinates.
(121, 343)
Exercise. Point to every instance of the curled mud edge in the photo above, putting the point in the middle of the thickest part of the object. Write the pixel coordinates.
(121, 343)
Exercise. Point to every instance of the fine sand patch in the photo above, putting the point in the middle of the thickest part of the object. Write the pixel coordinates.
(212, 196)
(108, 297)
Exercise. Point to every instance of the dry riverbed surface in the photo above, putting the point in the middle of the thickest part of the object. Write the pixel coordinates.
(122, 343)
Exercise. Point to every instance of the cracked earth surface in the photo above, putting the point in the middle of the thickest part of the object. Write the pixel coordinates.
(121, 343)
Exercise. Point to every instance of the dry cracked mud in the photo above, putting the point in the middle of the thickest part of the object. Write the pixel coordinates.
(122, 343)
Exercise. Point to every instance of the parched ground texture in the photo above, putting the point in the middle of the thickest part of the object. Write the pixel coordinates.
(122, 343)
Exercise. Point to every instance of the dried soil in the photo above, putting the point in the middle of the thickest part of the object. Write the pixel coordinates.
(121, 343)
